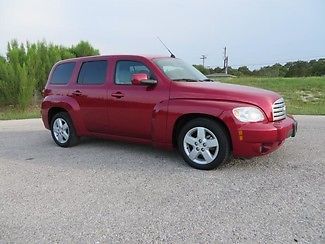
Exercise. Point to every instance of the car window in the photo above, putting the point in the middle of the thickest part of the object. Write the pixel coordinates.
(93, 72)
(125, 70)
(178, 70)
(62, 73)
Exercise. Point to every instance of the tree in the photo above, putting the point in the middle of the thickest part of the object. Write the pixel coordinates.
(290, 69)
(244, 70)
(24, 70)
(83, 48)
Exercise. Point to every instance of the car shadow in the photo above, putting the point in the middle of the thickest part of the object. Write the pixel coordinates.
(38, 146)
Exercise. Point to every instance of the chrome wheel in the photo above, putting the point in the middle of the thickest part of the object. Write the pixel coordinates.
(201, 145)
(61, 130)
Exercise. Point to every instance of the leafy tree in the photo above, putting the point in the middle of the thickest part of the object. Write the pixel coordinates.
(25, 68)
(83, 48)
(244, 70)
(217, 70)
(26, 87)
(299, 68)
(317, 67)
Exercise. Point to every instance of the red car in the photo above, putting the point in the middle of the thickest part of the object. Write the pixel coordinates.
(165, 102)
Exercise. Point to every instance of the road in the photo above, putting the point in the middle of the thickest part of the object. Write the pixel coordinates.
(104, 191)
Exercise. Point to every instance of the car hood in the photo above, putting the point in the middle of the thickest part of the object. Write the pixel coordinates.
(225, 92)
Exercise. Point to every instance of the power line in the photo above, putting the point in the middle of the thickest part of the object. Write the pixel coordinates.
(203, 58)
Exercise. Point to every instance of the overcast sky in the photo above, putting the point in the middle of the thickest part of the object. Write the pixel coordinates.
(256, 32)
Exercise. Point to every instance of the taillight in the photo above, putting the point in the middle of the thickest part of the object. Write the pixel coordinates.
(45, 92)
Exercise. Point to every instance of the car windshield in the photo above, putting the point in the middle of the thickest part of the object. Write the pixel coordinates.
(177, 70)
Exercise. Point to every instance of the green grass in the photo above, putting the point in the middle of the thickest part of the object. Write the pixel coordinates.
(10, 112)
(303, 95)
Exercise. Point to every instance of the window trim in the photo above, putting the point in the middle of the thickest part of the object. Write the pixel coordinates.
(127, 60)
(91, 61)
(56, 66)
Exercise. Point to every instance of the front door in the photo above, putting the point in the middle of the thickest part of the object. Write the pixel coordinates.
(131, 107)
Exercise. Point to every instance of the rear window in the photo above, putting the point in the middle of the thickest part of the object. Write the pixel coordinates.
(62, 73)
(93, 72)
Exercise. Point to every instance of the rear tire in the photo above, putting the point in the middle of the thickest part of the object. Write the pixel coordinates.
(63, 131)
(204, 144)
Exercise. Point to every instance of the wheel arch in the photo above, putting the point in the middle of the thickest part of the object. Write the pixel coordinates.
(53, 104)
(185, 118)
(53, 111)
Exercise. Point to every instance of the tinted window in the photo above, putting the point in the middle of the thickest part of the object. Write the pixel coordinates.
(62, 73)
(125, 69)
(93, 72)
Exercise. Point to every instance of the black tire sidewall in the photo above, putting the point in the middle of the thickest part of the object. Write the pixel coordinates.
(219, 132)
(72, 135)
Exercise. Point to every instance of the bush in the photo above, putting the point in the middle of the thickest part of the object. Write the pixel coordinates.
(24, 70)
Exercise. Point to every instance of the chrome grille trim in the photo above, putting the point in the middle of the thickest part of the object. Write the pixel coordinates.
(279, 109)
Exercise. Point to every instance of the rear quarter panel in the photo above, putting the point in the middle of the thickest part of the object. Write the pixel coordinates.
(67, 103)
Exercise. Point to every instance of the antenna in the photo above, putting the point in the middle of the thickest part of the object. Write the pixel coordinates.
(171, 54)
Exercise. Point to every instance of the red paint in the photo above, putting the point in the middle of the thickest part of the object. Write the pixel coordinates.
(137, 78)
(148, 114)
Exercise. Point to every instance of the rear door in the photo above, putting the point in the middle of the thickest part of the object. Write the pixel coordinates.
(90, 91)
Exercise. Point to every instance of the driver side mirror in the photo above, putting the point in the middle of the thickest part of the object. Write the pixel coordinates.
(142, 79)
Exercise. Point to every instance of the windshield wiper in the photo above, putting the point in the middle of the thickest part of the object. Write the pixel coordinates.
(208, 80)
(185, 79)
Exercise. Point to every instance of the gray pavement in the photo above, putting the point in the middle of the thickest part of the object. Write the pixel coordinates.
(113, 192)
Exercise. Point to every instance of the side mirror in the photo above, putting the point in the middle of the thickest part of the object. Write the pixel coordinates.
(142, 79)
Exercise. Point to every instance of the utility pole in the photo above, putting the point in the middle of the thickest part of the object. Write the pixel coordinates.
(203, 58)
(225, 61)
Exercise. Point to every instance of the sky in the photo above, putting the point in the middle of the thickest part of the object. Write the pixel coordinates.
(256, 32)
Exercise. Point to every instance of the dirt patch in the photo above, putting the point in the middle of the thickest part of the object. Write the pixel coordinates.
(309, 96)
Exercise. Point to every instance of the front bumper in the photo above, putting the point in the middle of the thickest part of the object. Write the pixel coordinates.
(254, 139)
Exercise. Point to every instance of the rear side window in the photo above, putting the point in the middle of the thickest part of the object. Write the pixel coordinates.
(93, 72)
(62, 73)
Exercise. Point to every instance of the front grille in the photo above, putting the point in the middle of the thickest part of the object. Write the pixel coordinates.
(279, 109)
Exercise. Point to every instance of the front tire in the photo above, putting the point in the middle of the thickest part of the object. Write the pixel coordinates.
(63, 131)
(204, 144)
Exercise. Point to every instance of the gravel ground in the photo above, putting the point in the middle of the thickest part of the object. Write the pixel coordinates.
(103, 191)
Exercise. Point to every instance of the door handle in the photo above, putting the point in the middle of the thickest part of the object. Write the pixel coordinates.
(117, 94)
(77, 93)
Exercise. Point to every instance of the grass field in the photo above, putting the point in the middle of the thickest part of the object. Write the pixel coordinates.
(10, 112)
(304, 95)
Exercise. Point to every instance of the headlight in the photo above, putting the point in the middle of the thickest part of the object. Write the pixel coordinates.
(248, 114)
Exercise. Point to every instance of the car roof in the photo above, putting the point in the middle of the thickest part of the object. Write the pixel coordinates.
(113, 56)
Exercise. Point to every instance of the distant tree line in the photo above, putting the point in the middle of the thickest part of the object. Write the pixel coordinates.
(25, 68)
(290, 69)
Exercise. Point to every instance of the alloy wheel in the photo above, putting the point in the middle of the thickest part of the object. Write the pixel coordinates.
(61, 130)
(201, 145)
